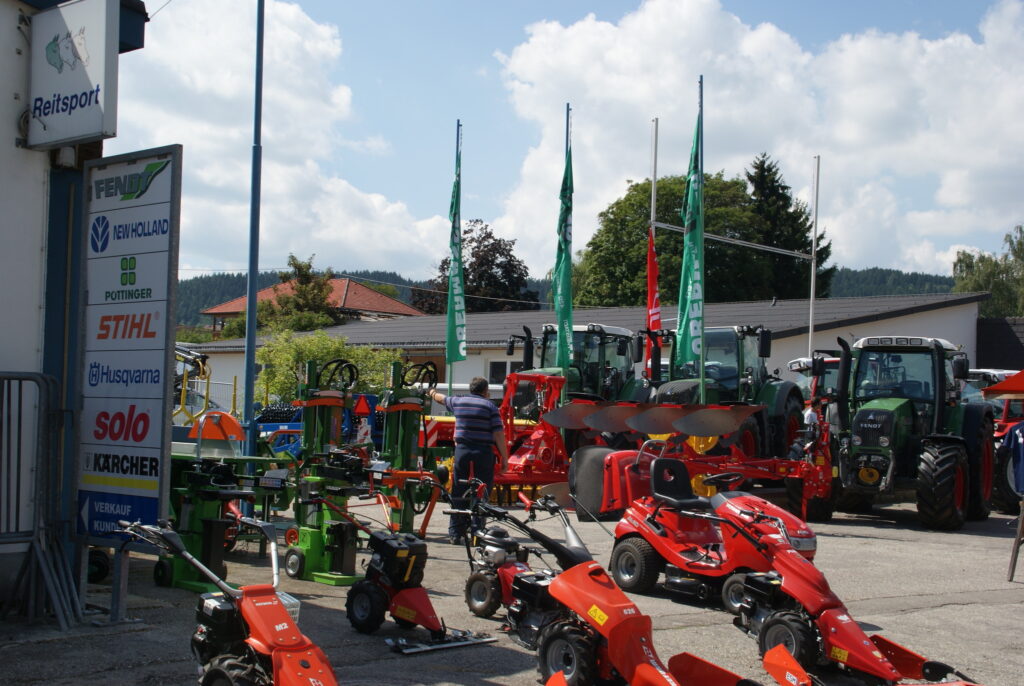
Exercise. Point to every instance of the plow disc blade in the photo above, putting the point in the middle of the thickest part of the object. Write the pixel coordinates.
(715, 421)
(658, 420)
(570, 415)
(612, 419)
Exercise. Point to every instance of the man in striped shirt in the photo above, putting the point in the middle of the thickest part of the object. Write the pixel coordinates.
(478, 431)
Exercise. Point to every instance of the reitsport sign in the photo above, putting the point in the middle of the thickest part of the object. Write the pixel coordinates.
(127, 366)
(73, 73)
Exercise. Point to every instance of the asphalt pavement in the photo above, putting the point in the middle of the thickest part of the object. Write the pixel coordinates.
(943, 595)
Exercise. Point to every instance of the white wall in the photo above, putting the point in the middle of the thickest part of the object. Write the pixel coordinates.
(23, 209)
(958, 325)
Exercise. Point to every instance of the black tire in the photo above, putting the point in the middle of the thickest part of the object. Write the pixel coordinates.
(748, 438)
(635, 564)
(565, 647)
(483, 593)
(99, 565)
(1004, 497)
(586, 483)
(163, 572)
(791, 630)
(294, 563)
(854, 503)
(791, 421)
(978, 430)
(226, 670)
(942, 485)
(733, 592)
(365, 606)
(818, 509)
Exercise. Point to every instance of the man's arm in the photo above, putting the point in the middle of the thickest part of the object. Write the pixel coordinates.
(502, 445)
(436, 396)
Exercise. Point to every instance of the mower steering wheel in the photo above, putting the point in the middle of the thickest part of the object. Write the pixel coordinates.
(723, 479)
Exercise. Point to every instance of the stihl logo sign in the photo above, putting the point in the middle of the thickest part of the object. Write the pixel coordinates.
(122, 427)
(126, 326)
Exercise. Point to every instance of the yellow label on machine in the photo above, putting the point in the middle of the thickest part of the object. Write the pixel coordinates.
(838, 654)
(406, 613)
(597, 614)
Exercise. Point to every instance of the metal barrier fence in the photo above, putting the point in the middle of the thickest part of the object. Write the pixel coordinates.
(30, 499)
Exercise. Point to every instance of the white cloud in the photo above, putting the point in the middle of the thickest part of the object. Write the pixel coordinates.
(193, 84)
(921, 149)
(919, 138)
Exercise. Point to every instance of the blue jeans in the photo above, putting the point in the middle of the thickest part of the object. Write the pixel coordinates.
(479, 456)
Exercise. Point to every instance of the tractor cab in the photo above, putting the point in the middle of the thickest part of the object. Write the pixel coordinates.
(602, 359)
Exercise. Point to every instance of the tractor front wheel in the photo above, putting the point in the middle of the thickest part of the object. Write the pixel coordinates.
(942, 485)
(789, 426)
(1004, 497)
(733, 591)
(365, 606)
(566, 648)
(635, 565)
(981, 467)
(790, 630)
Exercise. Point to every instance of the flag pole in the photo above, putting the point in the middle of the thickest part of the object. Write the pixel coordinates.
(455, 340)
(652, 298)
(700, 246)
(814, 257)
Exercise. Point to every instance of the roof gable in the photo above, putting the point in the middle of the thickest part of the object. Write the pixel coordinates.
(346, 294)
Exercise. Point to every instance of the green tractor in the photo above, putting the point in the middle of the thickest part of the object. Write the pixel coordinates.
(905, 434)
(735, 372)
(603, 359)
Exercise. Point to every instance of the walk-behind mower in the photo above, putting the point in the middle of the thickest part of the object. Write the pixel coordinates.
(706, 547)
(584, 628)
(245, 636)
(394, 585)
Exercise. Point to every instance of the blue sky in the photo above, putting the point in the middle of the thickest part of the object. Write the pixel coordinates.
(913, 107)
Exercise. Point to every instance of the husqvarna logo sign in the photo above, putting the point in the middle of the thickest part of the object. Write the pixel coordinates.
(99, 234)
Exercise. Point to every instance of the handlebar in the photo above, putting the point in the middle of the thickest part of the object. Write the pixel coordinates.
(424, 372)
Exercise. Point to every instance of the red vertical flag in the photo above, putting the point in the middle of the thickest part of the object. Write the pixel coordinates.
(653, 298)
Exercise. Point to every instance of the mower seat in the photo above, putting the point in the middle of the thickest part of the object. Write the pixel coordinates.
(670, 484)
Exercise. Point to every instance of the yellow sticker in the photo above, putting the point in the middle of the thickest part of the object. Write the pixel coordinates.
(838, 654)
(597, 615)
(406, 613)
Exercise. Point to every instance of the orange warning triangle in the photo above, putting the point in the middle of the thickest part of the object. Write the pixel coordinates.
(362, 408)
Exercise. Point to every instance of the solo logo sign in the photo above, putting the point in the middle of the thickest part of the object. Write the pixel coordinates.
(127, 326)
(121, 426)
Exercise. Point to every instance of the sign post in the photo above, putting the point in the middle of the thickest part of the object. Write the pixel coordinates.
(127, 368)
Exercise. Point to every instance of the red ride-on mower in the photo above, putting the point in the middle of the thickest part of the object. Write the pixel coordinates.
(705, 546)
(584, 628)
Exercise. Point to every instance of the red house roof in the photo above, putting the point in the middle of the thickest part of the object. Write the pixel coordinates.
(346, 294)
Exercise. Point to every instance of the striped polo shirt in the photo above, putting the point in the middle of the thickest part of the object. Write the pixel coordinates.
(476, 418)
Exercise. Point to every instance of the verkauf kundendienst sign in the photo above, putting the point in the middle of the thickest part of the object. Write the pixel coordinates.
(73, 73)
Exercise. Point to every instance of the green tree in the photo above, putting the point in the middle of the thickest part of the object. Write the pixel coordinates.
(1000, 275)
(494, 277)
(614, 263)
(384, 288)
(308, 306)
(284, 357)
(784, 222)
(266, 315)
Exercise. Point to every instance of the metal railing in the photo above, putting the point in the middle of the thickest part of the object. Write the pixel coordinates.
(30, 499)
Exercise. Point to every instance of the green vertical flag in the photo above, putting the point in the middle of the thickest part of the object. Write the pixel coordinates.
(690, 319)
(455, 346)
(562, 283)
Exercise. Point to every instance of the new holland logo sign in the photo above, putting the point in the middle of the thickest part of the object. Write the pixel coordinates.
(99, 234)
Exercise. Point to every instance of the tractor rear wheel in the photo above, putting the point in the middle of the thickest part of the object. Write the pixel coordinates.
(981, 465)
(566, 648)
(788, 426)
(586, 482)
(365, 606)
(635, 564)
(942, 485)
(1004, 497)
(790, 630)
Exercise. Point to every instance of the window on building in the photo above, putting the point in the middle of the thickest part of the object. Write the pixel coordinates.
(497, 371)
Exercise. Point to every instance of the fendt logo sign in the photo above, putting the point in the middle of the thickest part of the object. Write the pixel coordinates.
(128, 186)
